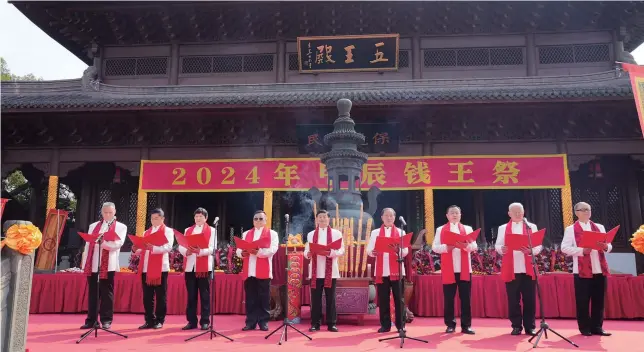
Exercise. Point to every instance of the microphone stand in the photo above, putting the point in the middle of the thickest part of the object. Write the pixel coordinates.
(286, 324)
(211, 329)
(543, 326)
(402, 332)
(97, 326)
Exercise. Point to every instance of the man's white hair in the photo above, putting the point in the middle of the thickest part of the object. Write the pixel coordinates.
(387, 209)
(108, 204)
(516, 205)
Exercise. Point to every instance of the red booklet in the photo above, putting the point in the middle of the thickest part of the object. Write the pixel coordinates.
(195, 241)
(320, 248)
(589, 239)
(516, 242)
(450, 238)
(249, 246)
(387, 244)
(108, 236)
(156, 239)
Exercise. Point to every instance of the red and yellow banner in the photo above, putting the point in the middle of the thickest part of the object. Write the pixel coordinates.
(391, 173)
(637, 82)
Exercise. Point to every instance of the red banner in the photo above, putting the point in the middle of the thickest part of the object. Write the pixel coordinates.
(399, 173)
(637, 82)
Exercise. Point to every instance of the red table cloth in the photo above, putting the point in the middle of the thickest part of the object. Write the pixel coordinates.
(66, 293)
(489, 298)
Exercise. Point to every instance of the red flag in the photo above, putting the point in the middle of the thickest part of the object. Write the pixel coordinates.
(637, 82)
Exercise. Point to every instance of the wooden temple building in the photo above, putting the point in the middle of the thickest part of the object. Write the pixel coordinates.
(227, 81)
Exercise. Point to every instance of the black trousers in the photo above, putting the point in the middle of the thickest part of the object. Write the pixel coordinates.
(258, 301)
(590, 292)
(201, 287)
(106, 296)
(384, 288)
(522, 288)
(153, 316)
(465, 294)
(331, 316)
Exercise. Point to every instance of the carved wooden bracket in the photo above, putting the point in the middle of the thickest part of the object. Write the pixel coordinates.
(133, 167)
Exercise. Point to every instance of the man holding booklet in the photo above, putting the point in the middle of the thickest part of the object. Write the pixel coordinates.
(106, 236)
(257, 247)
(154, 265)
(455, 242)
(323, 246)
(197, 246)
(587, 242)
(516, 267)
(384, 245)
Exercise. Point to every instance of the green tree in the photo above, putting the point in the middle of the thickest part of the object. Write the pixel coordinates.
(8, 76)
(17, 186)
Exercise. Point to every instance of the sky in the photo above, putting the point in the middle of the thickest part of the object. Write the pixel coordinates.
(27, 49)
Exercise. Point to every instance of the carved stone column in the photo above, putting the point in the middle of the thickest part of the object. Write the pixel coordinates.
(17, 271)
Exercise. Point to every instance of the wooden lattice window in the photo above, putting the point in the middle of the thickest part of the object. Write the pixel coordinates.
(555, 227)
(227, 63)
(144, 66)
(568, 54)
(473, 57)
(153, 203)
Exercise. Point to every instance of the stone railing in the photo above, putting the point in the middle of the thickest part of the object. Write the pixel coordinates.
(17, 273)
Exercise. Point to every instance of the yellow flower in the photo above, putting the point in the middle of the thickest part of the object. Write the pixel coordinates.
(637, 241)
(23, 238)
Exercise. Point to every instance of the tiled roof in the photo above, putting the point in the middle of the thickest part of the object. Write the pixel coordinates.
(70, 94)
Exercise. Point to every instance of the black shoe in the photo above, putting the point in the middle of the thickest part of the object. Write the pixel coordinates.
(146, 326)
(333, 328)
(157, 326)
(383, 330)
(467, 331)
(88, 326)
(601, 333)
(516, 331)
(205, 326)
(314, 328)
(246, 328)
(450, 330)
(586, 333)
(107, 325)
(263, 327)
(189, 327)
(530, 332)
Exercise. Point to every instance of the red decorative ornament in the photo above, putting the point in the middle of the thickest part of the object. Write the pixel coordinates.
(117, 176)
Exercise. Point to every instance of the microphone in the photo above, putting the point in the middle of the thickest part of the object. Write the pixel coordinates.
(286, 217)
(216, 221)
(402, 221)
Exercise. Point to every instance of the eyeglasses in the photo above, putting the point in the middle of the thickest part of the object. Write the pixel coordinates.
(258, 219)
(585, 210)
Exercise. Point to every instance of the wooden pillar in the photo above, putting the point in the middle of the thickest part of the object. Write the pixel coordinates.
(268, 205)
(416, 58)
(282, 60)
(531, 55)
(566, 200)
(173, 79)
(141, 212)
(429, 215)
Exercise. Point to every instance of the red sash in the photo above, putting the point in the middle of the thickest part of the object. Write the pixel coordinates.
(507, 263)
(393, 262)
(262, 265)
(447, 259)
(202, 267)
(155, 262)
(584, 263)
(328, 265)
(105, 254)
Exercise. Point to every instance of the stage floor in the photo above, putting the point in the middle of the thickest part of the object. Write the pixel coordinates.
(54, 332)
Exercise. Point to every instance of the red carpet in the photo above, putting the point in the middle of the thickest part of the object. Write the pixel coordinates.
(52, 333)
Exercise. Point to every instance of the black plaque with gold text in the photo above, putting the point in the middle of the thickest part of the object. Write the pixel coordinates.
(378, 52)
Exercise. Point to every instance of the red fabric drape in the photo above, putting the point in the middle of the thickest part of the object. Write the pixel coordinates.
(66, 293)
